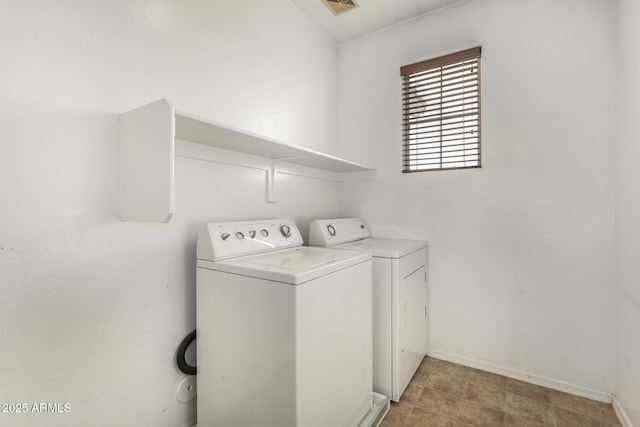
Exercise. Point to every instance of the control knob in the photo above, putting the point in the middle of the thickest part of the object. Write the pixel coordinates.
(240, 235)
(331, 229)
(225, 236)
(285, 230)
(252, 233)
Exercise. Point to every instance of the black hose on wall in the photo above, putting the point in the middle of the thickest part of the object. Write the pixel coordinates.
(181, 356)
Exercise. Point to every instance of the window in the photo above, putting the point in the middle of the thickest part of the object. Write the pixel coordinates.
(441, 112)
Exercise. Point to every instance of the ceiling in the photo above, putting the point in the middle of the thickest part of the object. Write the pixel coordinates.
(372, 15)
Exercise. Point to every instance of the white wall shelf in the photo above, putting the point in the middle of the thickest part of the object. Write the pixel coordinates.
(147, 139)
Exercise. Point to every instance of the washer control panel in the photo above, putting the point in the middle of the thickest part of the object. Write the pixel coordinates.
(223, 240)
(326, 232)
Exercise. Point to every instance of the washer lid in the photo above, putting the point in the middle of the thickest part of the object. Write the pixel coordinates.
(293, 266)
(385, 248)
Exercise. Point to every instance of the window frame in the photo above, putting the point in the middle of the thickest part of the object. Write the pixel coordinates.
(457, 60)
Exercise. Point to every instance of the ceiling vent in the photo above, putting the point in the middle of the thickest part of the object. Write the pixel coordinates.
(340, 6)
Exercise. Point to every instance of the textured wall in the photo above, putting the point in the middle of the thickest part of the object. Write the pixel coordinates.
(93, 309)
(522, 250)
(628, 209)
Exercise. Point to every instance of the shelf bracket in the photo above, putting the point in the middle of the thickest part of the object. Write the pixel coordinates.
(146, 163)
(271, 176)
(271, 182)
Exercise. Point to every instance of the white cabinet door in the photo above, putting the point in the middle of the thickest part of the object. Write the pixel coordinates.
(413, 326)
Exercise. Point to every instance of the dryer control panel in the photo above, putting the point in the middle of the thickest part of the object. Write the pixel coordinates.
(327, 232)
(223, 240)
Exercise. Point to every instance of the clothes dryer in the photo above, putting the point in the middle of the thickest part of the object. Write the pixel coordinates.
(400, 298)
(283, 331)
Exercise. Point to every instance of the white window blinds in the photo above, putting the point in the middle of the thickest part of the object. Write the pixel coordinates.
(441, 112)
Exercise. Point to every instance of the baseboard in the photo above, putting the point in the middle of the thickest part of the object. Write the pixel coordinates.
(577, 390)
(621, 413)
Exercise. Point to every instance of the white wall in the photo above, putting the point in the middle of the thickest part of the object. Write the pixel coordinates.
(522, 250)
(628, 209)
(92, 309)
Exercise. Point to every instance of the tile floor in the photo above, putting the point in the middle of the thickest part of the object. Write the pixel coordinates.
(444, 394)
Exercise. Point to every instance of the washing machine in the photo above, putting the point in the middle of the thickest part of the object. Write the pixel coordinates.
(284, 332)
(400, 298)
